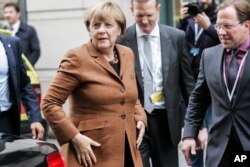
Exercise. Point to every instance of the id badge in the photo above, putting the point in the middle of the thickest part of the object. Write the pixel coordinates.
(195, 51)
(156, 97)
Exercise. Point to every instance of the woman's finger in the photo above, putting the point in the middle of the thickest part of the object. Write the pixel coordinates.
(84, 160)
(92, 156)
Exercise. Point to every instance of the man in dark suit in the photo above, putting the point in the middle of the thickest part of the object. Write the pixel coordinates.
(14, 87)
(159, 92)
(27, 33)
(224, 78)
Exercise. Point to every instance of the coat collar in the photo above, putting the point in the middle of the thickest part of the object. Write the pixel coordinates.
(100, 59)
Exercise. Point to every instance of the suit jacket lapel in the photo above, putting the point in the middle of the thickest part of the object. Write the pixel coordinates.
(244, 80)
(132, 43)
(165, 52)
(220, 51)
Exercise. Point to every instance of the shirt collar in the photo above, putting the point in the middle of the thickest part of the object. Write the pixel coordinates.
(245, 46)
(16, 25)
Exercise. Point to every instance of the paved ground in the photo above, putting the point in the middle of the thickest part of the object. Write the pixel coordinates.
(182, 162)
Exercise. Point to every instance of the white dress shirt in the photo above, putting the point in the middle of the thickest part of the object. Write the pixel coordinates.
(5, 103)
(156, 59)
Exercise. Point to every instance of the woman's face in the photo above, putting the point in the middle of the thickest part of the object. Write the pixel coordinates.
(104, 34)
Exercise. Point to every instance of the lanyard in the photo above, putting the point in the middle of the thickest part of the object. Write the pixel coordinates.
(230, 95)
(152, 70)
(197, 33)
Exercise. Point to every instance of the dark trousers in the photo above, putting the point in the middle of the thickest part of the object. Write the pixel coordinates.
(6, 125)
(156, 143)
(232, 146)
(128, 162)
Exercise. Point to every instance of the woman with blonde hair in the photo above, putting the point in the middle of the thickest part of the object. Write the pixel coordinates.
(106, 121)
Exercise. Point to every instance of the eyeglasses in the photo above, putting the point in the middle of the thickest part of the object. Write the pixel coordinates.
(226, 26)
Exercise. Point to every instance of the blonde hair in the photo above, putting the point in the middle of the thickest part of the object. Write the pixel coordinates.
(103, 11)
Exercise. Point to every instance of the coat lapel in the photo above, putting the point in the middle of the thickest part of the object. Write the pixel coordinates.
(100, 59)
(244, 80)
(123, 62)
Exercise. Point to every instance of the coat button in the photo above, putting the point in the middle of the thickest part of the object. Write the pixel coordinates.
(122, 89)
(123, 116)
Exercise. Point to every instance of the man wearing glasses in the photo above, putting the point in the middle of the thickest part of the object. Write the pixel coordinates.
(200, 33)
(223, 80)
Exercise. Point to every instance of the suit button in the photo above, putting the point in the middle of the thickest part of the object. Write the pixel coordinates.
(123, 116)
(122, 89)
(228, 135)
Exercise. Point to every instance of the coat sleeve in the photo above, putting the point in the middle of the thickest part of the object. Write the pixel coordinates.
(27, 94)
(186, 79)
(198, 103)
(140, 114)
(65, 81)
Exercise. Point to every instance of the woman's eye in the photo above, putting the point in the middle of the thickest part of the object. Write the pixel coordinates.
(95, 25)
(109, 25)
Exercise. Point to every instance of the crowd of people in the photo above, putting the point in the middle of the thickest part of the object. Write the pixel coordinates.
(126, 86)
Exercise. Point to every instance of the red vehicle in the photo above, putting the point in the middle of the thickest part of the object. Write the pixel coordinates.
(17, 152)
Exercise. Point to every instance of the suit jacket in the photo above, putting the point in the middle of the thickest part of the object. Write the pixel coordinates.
(177, 74)
(30, 42)
(104, 105)
(19, 84)
(211, 84)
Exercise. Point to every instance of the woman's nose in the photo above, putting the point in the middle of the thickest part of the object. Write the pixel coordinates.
(101, 29)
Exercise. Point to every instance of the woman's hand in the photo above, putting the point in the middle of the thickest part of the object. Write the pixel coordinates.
(141, 127)
(82, 145)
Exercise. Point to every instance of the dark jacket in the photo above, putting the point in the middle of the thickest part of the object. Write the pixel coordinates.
(19, 83)
(210, 84)
(30, 42)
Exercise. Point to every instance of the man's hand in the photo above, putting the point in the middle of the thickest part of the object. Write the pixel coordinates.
(189, 146)
(184, 11)
(202, 139)
(84, 152)
(202, 20)
(141, 127)
(37, 130)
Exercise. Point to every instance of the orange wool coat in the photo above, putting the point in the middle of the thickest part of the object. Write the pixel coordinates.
(103, 105)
